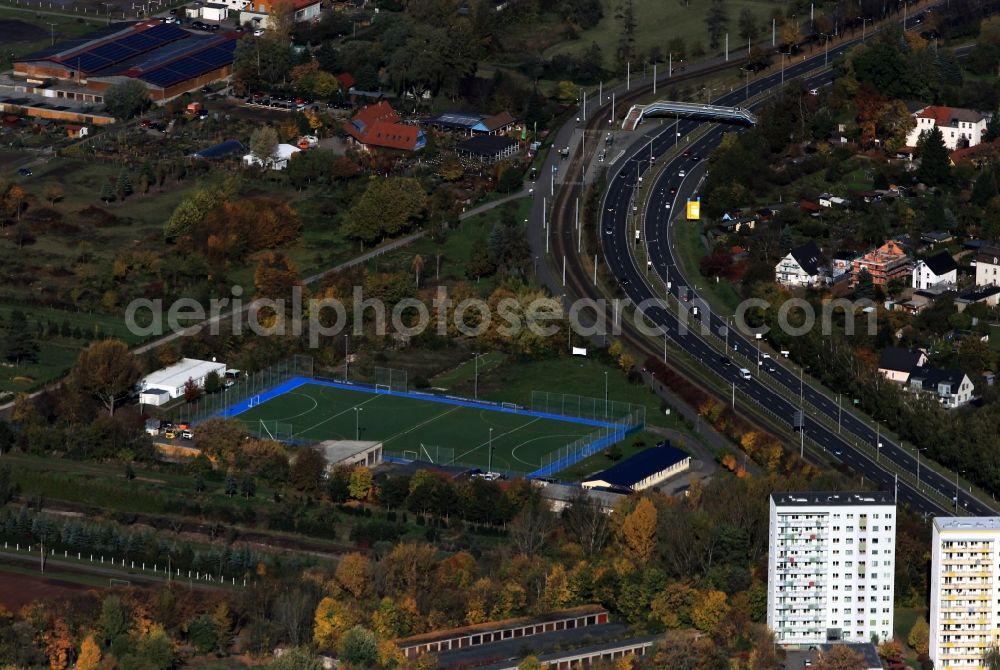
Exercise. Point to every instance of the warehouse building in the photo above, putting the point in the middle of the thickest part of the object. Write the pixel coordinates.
(171, 380)
(166, 58)
(642, 471)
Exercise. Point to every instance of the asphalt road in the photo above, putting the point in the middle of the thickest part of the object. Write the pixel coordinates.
(670, 192)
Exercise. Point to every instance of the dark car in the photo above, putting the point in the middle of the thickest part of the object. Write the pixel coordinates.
(725, 360)
(24, 172)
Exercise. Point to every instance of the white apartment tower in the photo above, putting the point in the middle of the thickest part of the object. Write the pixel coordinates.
(965, 591)
(831, 566)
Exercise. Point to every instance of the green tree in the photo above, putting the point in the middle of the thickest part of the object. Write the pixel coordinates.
(264, 143)
(385, 208)
(106, 370)
(985, 188)
(231, 485)
(296, 658)
(749, 26)
(126, 99)
(307, 469)
(992, 131)
(129, 472)
(113, 622)
(358, 646)
(716, 19)
(107, 192)
(123, 185)
(479, 263)
(935, 165)
(248, 487)
(213, 383)
(511, 179)
(202, 634)
(19, 343)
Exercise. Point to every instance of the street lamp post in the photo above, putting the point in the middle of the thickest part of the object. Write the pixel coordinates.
(878, 441)
(956, 489)
(357, 425)
(489, 468)
(919, 449)
(605, 393)
(476, 382)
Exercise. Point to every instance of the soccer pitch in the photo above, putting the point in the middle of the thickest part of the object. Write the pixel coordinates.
(420, 427)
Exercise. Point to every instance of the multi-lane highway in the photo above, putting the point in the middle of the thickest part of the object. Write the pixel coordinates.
(679, 180)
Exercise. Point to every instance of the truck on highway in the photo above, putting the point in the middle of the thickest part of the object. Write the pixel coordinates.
(798, 420)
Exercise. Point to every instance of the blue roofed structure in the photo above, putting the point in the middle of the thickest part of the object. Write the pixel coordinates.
(221, 150)
(643, 470)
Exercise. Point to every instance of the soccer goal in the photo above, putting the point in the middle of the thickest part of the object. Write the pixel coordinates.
(253, 401)
(274, 430)
(410, 455)
(118, 582)
(382, 388)
(510, 406)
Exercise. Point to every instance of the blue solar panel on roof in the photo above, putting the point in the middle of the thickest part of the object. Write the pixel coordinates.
(216, 57)
(90, 62)
(114, 52)
(163, 77)
(166, 32)
(138, 42)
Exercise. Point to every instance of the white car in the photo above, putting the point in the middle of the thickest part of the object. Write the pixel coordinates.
(258, 32)
(682, 174)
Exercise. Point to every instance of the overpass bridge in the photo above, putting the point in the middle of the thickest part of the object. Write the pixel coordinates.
(688, 110)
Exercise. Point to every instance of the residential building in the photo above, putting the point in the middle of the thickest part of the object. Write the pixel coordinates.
(988, 267)
(965, 585)
(897, 364)
(885, 264)
(842, 263)
(644, 470)
(259, 12)
(939, 270)
(831, 567)
(799, 267)
(988, 295)
(960, 127)
(803, 659)
(378, 126)
(953, 388)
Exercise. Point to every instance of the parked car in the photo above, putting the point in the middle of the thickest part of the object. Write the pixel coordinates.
(24, 172)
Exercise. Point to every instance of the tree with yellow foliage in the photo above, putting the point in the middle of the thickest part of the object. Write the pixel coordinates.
(90, 654)
(639, 530)
(332, 619)
(709, 611)
(360, 485)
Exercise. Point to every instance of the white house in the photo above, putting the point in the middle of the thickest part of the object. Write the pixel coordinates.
(988, 267)
(965, 585)
(953, 388)
(799, 267)
(960, 127)
(826, 549)
(259, 12)
(279, 161)
(171, 380)
(937, 271)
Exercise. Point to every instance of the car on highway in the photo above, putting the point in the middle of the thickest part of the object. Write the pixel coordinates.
(745, 373)
(695, 158)
(609, 228)
(682, 174)
(686, 154)
(24, 172)
(725, 361)
(838, 452)
(673, 190)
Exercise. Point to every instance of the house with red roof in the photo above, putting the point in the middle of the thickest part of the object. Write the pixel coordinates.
(960, 127)
(378, 126)
(259, 12)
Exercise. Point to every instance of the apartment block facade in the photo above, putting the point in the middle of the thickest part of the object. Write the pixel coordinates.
(965, 593)
(831, 565)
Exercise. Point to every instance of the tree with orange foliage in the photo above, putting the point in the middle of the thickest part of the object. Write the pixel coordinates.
(90, 654)
(355, 573)
(58, 644)
(275, 276)
(709, 611)
(639, 530)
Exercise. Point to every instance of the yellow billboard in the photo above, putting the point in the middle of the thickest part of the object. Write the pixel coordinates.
(694, 209)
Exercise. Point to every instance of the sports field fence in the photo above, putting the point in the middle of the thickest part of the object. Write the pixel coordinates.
(582, 407)
(243, 388)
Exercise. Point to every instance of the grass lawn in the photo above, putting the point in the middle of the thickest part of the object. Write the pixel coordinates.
(415, 426)
(465, 372)
(721, 295)
(658, 21)
(23, 31)
(54, 360)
